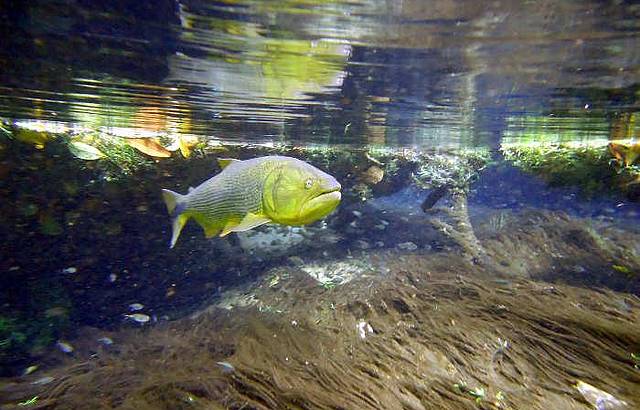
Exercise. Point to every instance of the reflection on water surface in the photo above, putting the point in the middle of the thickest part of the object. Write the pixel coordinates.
(398, 73)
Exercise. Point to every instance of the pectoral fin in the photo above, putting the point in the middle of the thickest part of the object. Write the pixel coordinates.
(250, 221)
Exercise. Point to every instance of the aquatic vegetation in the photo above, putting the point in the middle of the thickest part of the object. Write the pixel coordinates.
(622, 269)
(31, 402)
(10, 334)
(477, 393)
(120, 159)
(588, 168)
(455, 170)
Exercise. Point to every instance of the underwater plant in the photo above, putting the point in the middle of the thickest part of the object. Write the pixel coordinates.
(591, 169)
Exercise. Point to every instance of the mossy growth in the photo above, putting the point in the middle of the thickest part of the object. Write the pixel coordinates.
(592, 169)
(454, 171)
(121, 159)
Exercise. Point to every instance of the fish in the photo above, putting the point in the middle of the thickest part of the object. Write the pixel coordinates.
(135, 307)
(625, 154)
(253, 192)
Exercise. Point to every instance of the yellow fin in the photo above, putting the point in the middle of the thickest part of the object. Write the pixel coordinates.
(211, 227)
(175, 206)
(178, 224)
(250, 221)
(210, 230)
(225, 162)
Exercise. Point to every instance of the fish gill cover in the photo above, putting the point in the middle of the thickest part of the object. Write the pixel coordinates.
(484, 253)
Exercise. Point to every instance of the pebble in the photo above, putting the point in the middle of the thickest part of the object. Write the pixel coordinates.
(407, 246)
(363, 329)
(107, 341)
(226, 367)
(64, 346)
(138, 317)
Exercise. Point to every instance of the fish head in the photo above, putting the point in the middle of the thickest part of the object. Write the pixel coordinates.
(298, 193)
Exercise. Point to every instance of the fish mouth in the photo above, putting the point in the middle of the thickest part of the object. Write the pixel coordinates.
(321, 205)
(331, 193)
(334, 195)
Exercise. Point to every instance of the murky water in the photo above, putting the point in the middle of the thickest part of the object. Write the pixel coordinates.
(485, 252)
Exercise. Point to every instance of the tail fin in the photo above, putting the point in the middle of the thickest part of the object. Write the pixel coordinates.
(174, 202)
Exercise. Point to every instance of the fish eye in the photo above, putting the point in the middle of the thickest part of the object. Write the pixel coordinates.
(308, 184)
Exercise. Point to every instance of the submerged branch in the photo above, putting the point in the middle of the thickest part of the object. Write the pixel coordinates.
(460, 229)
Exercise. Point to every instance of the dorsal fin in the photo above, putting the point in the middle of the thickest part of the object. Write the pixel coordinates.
(225, 162)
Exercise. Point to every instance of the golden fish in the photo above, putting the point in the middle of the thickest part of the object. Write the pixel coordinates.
(250, 193)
